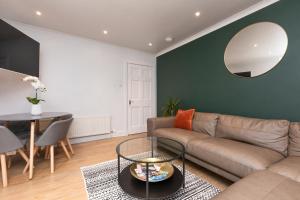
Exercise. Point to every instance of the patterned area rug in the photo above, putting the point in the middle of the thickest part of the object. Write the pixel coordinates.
(101, 183)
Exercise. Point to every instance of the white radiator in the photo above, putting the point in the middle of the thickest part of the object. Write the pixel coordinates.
(89, 126)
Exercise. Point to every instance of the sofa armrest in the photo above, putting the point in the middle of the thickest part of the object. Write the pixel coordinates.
(159, 122)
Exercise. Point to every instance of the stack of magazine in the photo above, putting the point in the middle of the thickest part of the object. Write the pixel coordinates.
(155, 172)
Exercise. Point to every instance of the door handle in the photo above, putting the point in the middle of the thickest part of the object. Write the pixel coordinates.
(130, 102)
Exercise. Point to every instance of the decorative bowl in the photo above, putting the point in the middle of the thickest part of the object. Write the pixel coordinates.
(166, 170)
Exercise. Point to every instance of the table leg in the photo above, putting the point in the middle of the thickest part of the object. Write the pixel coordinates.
(119, 170)
(183, 169)
(152, 155)
(31, 143)
(147, 180)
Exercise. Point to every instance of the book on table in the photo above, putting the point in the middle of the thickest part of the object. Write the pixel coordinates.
(155, 172)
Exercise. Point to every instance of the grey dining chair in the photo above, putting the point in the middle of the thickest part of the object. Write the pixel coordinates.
(67, 139)
(69, 145)
(54, 134)
(9, 142)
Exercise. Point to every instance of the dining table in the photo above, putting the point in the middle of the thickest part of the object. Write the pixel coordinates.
(34, 121)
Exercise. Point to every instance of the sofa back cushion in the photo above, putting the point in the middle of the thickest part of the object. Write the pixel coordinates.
(294, 139)
(205, 123)
(272, 134)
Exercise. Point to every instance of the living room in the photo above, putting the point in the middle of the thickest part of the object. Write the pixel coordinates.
(149, 99)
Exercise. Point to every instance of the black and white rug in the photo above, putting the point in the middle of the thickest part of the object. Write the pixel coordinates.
(101, 183)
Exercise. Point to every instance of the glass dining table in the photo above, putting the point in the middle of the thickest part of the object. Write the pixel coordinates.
(34, 121)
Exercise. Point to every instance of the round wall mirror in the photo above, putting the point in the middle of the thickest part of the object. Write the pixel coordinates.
(256, 49)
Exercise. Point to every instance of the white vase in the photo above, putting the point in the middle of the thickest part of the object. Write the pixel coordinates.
(36, 109)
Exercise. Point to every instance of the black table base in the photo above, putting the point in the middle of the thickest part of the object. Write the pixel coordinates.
(158, 190)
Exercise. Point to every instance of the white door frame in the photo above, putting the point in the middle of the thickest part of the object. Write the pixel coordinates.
(127, 88)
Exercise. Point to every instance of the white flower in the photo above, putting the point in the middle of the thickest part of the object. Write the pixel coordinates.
(35, 85)
(35, 82)
(30, 78)
(38, 85)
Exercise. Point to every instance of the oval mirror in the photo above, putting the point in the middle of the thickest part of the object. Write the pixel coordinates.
(256, 49)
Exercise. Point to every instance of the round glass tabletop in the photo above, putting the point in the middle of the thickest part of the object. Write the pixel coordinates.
(150, 150)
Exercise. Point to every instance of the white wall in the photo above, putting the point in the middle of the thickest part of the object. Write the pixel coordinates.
(13, 92)
(83, 76)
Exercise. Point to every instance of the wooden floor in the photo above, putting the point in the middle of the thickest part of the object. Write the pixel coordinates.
(67, 183)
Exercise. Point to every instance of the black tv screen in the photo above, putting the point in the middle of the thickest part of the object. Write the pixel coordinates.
(18, 52)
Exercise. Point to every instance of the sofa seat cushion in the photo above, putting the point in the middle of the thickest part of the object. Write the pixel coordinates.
(272, 134)
(181, 135)
(262, 185)
(238, 158)
(289, 167)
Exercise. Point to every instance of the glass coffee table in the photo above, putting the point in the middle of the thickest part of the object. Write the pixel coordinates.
(146, 169)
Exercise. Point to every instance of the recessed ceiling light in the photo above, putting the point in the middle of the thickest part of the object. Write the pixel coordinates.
(169, 39)
(197, 14)
(255, 45)
(105, 32)
(38, 13)
(150, 44)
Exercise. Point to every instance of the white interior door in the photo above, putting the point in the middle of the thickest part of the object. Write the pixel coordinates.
(139, 97)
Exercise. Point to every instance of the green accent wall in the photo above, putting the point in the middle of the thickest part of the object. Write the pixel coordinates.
(196, 72)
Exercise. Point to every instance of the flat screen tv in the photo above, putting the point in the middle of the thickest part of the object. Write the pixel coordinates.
(18, 52)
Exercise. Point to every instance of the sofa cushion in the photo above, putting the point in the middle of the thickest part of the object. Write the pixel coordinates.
(238, 158)
(294, 139)
(272, 134)
(181, 135)
(184, 119)
(205, 122)
(289, 167)
(263, 185)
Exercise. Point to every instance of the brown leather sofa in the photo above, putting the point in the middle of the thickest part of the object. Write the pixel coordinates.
(264, 154)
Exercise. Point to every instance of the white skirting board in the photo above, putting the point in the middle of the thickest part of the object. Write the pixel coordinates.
(90, 138)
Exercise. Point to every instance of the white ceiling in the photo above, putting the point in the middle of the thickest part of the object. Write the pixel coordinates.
(130, 23)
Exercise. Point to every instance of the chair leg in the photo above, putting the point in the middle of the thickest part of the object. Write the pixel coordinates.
(25, 157)
(65, 149)
(27, 165)
(26, 168)
(69, 145)
(47, 148)
(37, 152)
(3, 169)
(48, 156)
(8, 158)
(52, 158)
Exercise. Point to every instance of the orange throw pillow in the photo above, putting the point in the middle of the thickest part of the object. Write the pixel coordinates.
(184, 119)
